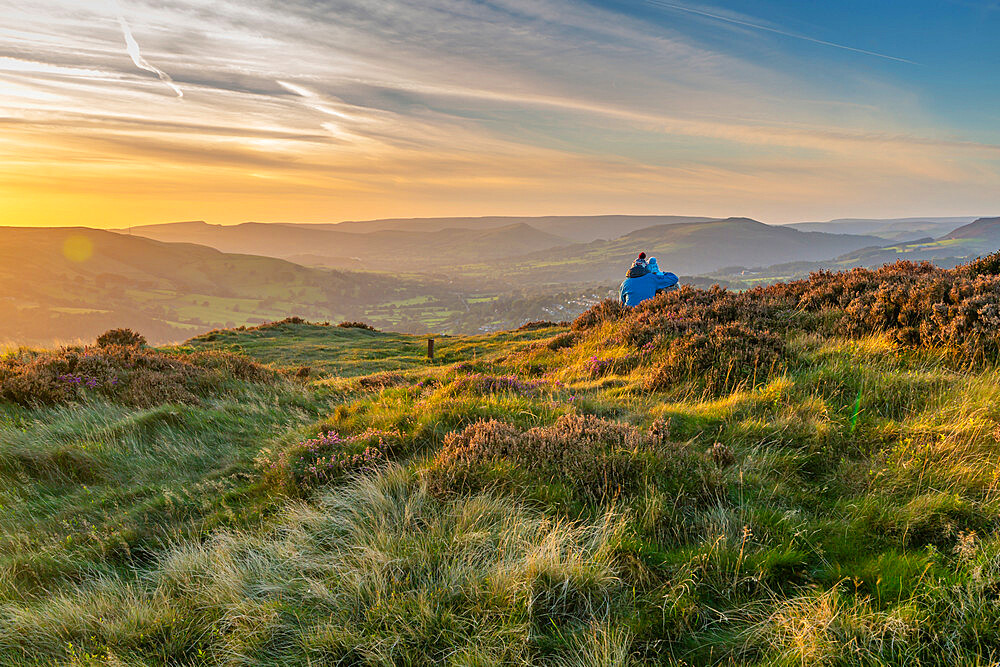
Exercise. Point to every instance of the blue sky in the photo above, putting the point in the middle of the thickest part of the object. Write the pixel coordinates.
(132, 111)
(954, 43)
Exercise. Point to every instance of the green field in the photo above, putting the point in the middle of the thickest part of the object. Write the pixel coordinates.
(350, 352)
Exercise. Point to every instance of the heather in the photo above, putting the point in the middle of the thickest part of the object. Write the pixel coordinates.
(794, 475)
(126, 374)
(322, 460)
(577, 459)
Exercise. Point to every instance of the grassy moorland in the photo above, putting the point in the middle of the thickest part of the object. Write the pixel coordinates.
(799, 474)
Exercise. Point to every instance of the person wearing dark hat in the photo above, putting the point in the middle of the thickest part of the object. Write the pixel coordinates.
(639, 267)
(641, 284)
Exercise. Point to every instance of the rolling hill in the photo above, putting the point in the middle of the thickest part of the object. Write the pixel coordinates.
(386, 249)
(79, 281)
(891, 229)
(694, 482)
(696, 248)
(576, 229)
(958, 246)
(985, 231)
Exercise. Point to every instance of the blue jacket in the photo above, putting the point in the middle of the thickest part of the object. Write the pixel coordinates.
(636, 290)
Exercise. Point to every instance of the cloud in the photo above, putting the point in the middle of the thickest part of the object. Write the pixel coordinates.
(452, 106)
(133, 50)
(777, 31)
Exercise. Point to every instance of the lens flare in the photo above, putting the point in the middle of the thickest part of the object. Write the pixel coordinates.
(78, 248)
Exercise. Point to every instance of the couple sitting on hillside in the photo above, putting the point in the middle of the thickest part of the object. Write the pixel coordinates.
(644, 280)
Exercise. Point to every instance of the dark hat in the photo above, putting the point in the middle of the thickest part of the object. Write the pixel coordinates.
(642, 255)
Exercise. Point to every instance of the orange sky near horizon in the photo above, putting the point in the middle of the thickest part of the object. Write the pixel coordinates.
(234, 112)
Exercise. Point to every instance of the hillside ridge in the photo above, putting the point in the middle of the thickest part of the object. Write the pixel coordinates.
(740, 478)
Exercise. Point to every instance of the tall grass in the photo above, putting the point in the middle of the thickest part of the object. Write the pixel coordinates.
(378, 572)
(95, 486)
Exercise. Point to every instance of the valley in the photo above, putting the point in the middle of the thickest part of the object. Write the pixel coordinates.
(454, 275)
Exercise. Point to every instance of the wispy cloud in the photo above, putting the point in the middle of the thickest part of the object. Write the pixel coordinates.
(369, 108)
(777, 31)
(132, 47)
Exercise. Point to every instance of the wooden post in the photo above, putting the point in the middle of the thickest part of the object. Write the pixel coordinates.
(430, 349)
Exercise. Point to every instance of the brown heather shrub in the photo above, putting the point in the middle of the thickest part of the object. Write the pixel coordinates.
(593, 459)
(539, 324)
(357, 325)
(721, 359)
(147, 387)
(316, 462)
(912, 304)
(484, 384)
(982, 266)
(379, 381)
(562, 341)
(125, 337)
(235, 365)
(294, 319)
(689, 310)
(609, 310)
(723, 455)
(128, 375)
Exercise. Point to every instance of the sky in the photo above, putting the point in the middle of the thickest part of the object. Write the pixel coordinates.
(117, 113)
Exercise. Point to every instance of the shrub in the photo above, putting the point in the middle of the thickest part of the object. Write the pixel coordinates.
(481, 383)
(357, 325)
(562, 341)
(609, 310)
(724, 357)
(539, 324)
(128, 375)
(591, 458)
(912, 304)
(379, 381)
(723, 455)
(124, 337)
(237, 366)
(326, 458)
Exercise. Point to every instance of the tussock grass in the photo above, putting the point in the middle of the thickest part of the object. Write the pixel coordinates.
(95, 486)
(379, 572)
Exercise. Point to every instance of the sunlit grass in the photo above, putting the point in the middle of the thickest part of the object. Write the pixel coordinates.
(851, 515)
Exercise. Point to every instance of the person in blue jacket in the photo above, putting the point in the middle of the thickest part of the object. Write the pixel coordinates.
(644, 280)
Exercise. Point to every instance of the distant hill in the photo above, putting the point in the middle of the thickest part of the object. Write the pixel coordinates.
(574, 228)
(985, 230)
(79, 282)
(74, 283)
(386, 249)
(695, 248)
(958, 246)
(892, 229)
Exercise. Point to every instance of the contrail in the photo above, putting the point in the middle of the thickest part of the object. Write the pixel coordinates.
(757, 26)
(142, 63)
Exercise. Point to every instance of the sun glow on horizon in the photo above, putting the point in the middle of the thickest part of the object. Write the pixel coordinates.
(470, 109)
